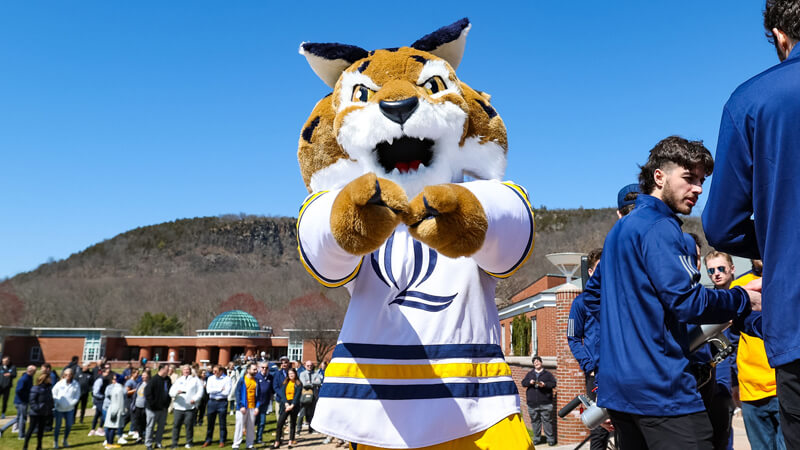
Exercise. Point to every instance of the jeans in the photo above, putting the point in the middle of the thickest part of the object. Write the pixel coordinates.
(22, 416)
(261, 422)
(183, 418)
(154, 418)
(542, 420)
(763, 425)
(98, 419)
(217, 408)
(69, 419)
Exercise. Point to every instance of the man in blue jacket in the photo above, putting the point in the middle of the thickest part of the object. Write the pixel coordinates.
(265, 399)
(752, 209)
(277, 382)
(21, 397)
(650, 290)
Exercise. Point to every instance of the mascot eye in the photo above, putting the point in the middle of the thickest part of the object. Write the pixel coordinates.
(434, 85)
(362, 93)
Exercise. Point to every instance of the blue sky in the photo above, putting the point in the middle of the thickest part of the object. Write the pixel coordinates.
(115, 115)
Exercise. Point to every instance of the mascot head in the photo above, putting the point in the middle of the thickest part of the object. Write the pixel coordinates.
(401, 113)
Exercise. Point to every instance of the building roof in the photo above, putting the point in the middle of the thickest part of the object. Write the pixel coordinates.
(234, 320)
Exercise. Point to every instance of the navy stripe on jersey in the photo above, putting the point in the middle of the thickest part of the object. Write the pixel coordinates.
(382, 351)
(417, 391)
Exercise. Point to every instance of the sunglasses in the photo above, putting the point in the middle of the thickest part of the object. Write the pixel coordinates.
(720, 269)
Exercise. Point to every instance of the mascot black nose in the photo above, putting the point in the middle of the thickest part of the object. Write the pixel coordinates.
(400, 110)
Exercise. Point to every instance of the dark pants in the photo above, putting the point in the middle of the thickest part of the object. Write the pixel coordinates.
(542, 422)
(686, 432)
(138, 421)
(788, 384)
(217, 408)
(4, 395)
(38, 423)
(82, 406)
(306, 412)
(201, 410)
(182, 418)
(292, 415)
(599, 436)
(721, 414)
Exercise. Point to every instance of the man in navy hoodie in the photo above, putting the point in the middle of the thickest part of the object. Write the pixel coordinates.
(651, 291)
(752, 209)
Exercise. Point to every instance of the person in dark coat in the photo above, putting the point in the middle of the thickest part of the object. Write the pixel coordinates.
(539, 384)
(40, 409)
(157, 400)
(84, 378)
(7, 374)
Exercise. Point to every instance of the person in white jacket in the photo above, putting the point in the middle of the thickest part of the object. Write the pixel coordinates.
(186, 393)
(66, 394)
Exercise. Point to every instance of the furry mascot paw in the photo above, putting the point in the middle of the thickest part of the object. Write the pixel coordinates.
(366, 212)
(448, 218)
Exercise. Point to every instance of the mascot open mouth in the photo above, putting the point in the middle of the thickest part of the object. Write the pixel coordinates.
(405, 154)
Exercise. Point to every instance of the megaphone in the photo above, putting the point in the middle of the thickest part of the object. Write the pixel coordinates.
(592, 416)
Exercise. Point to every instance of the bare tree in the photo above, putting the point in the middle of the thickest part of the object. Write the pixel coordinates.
(318, 320)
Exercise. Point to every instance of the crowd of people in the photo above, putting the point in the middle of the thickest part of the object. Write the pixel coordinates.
(142, 396)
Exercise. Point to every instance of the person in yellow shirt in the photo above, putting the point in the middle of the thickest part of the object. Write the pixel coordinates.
(757, 389)
(289, 395)
(247, 404)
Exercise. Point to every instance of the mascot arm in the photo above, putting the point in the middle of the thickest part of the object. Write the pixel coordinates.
(322, 257)
(509, 236)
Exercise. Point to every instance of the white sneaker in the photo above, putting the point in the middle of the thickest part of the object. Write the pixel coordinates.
(327, 440)
(188, 446)
(121, 441)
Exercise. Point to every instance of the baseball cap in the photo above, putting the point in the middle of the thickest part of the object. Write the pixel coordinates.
(621, 202)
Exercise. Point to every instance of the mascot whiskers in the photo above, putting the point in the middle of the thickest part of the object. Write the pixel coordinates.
(390, 216)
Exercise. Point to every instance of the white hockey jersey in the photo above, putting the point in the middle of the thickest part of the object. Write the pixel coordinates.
(418, 361)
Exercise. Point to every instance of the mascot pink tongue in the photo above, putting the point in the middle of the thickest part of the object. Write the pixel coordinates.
(418, 361)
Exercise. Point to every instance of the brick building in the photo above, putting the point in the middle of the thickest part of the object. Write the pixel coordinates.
(230, 334)
(537, 302)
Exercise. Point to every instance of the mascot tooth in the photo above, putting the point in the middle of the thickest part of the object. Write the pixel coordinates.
(418, 361)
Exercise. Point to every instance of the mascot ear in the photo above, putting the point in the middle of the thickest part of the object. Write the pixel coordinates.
(446, 42)
(329, 60)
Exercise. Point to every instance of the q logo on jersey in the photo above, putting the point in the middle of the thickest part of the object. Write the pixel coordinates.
(407, 296)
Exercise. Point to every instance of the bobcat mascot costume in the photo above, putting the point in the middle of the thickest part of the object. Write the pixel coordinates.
(418, 362)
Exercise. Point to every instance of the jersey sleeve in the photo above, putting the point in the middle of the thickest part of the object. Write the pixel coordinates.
(509, 237)
(320, 254)
(677, 282)
(727, 221)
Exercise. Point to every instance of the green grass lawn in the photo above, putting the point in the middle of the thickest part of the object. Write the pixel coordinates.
(78, 436)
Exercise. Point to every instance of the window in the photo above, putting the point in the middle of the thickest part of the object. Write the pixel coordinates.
(534, 339)
(93, 346)
(36, 354)
(503, 337)
(295, 347)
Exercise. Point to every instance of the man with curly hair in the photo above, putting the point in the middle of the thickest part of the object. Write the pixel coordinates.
(752, 210)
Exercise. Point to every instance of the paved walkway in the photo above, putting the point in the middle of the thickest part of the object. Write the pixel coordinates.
(314, 441)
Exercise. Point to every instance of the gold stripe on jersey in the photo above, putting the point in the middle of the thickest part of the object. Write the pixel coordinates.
(417, 371)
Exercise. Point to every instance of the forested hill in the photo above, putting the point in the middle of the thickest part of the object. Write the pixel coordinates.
(189, 267)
